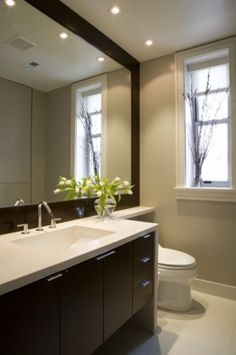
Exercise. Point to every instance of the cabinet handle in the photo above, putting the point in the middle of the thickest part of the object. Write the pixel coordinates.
(145, 283)
(105, 255)
(146, 236)
(54, 277)
(144, 259)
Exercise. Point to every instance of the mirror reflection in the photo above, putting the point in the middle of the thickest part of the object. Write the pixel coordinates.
(45, 84)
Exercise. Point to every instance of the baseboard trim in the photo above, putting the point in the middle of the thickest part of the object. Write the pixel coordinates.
(214, 288)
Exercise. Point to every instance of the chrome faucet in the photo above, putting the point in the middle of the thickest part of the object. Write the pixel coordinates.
(19, 202)
(48, 209)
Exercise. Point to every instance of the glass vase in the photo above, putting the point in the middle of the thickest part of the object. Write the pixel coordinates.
(104, 207)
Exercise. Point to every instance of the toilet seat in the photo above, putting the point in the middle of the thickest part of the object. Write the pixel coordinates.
(175, 259)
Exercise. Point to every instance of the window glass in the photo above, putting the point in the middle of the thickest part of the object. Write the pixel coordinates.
(207, 125)
(216, 106)
(96, 123)
(215, 167)
(88, 133)
(93, 102)
(218, 78)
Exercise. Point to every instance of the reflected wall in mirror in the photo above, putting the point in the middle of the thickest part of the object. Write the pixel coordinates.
(38, 72)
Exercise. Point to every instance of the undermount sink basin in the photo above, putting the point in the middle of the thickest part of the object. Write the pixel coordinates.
(62, 239)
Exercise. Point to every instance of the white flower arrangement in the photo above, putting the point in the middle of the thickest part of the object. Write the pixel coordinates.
(94, 186)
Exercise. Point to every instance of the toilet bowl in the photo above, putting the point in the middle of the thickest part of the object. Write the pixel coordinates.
(176, 270)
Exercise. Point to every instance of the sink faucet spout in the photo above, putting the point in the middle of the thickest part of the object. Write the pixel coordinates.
(48, 209)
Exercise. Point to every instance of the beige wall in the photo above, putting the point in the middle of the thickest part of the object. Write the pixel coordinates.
(15, 128)
(58, 139)
(38, 138)
(207, 230)
(118, 125)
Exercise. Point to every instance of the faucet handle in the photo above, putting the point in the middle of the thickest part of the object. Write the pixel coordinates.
(25, 228)
(53, 222)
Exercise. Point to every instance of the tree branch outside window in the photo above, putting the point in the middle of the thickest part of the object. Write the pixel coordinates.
(86, 121)
(203, 121)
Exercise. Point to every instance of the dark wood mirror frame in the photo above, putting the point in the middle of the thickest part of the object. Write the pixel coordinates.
(56, 10)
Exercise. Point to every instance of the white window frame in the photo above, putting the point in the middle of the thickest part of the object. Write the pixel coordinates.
(81, 88)
(203, 193)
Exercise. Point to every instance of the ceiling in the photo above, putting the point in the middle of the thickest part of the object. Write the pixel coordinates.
(173, 25)
(61, 62)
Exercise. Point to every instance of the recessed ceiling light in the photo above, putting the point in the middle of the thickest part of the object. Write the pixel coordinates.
(114, 9)
(101, 59)
(63, 35)
(149, 42)
(10, 2)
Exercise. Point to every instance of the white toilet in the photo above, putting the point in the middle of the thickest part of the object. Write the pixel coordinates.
(176, 270)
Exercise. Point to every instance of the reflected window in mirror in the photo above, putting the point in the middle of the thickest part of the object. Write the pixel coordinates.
(88, 122)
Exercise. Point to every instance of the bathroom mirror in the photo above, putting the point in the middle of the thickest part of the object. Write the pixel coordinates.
(37, 70)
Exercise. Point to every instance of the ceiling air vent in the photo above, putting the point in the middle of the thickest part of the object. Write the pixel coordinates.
(20, 43)
(30, 65)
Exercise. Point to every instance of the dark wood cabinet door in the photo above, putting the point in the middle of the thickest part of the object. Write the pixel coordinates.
(29, 320)
(143, 269)
(81, 297)
(117, 289)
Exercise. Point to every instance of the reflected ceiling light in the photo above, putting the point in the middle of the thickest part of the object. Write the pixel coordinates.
(63, 35)
(114, 9)
(149, 42)
(10, 2)
(101, 59)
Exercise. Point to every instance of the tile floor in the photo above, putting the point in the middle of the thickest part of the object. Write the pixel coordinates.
(209, 329)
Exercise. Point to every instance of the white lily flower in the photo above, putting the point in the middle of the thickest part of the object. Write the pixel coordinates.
(57, 191)
(77, 189)
(102, 183)
(62, 182)
(68, 182)
(126, 183)
(117, 178)
(129, 192)
(120, 186)
(99, 193)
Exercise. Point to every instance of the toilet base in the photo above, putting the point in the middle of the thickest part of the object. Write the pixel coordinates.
(174, 296)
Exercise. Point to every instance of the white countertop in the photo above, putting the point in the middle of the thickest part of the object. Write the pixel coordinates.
(20, 265)
(134, 212)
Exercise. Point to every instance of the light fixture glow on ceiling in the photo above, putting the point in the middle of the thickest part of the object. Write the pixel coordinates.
(115, 9)
(10, 2)
(149, 42)
(63, 35)
(101, 59)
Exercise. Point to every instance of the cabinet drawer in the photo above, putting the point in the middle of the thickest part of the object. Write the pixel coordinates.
(142, 294)
(143, 269)
(144, 246)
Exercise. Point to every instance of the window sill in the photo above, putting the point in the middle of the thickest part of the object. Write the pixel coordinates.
(205, 194)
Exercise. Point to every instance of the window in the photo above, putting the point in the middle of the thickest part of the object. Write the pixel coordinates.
(206, 136)
(208, 128)
(88, 113)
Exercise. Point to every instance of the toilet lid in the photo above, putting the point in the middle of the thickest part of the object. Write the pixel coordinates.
(175, 258)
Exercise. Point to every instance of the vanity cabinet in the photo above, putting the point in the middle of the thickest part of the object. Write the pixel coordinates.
(143, 270)
(29, 320)
(81, 308)
(117, 288)
(74, 311)
(95, 300)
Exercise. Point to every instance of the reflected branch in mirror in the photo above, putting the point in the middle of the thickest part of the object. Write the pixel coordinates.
(87, 123)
